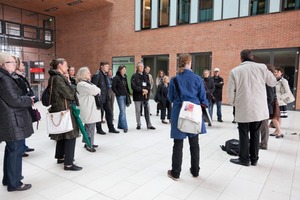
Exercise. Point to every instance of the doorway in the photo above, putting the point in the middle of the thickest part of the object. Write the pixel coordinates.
(287, 59)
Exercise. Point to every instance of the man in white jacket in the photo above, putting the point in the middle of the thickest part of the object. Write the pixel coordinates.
(247, 92)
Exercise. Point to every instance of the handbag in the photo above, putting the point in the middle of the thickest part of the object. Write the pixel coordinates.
(128, 100)
(190, 115)
(290, 98)
(98, 101)
(46, 95)
(59, 122)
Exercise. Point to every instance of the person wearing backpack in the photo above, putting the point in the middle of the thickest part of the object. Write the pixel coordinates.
(247, 92)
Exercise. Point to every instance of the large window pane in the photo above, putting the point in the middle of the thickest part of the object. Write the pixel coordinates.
(205, 10)
(259, 7)
(230, 9)
(200, 62)
(290, 5)
(146, 14)
(13, 29)
(164, 6)
(184, 11)
(30, 32)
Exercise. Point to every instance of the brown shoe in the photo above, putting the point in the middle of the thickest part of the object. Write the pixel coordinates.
(171, 176)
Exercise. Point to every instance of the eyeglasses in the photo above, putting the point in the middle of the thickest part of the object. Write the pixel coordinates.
(15, 62)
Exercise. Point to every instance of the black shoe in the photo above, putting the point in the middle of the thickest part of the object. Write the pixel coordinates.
(59, 161)
(90, 149)
(151, 128)
(253, 163)
(157, 114)
(209, 124)
(263, 147)
(279, 136)
(164, 121)
(73, 168)
(101, 132)
(138, 127)
(233, 122)
(21, 188)
(194, 175)
(238, 162)
(95, 146)
(29, 150)
(171, 176)
(25, 155)
(125, 130)
(114, 131)
(220, 120)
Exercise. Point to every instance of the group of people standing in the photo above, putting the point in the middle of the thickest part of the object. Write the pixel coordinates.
(92, 94)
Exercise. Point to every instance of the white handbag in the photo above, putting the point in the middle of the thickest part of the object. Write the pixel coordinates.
(59, 122)
(190, 118)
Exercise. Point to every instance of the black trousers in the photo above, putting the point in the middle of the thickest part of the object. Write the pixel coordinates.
(164, 108)
(65, 149)
(108, 117)
(249, 148)
(177, 156)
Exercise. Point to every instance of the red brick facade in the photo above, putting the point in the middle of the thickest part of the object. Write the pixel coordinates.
(86, 38)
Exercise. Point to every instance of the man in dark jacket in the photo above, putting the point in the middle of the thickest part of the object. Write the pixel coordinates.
(219, 82)
(100, 79)
(15, 124)
(140, 85)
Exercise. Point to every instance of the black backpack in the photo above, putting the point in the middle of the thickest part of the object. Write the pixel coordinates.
(232, 147)
(46, 95)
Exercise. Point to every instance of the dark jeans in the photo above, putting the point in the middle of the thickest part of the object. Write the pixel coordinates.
(219, 112)
(65, 149)
(12, 164)
(177, 156)
(164, 108)
(249, 149)
(108, 117)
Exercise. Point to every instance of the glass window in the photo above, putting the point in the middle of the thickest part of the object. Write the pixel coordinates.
(0, 27)
(258, 7)
(29, 18)
(230, 9)
(12, 14)
(217, 9)
(184, 11)
(146, 14)
(13, 29)
(30, 32)
(164, 6)
(290, 5)
(200, 62)
(205, 10)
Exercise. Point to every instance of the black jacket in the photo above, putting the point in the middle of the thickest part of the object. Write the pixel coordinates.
(162, 94)
(120, 85)
(209, 88)
(100, 80)
(138, 83)
(15, 120)
(219, 82)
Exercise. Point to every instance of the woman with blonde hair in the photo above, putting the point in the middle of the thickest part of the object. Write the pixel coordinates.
(191, 89)
(87, 105)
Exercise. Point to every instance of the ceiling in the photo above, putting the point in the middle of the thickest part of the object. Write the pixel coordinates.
(57, 7)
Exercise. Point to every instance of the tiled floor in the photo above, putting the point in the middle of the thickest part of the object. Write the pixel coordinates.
(133, 166)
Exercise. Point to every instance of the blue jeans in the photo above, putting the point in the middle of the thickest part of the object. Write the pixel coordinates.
(219, 112)
(122, 121)
(12, 164)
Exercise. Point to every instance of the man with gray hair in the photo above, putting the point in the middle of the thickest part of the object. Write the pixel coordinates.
(247, 92)
(140, 85)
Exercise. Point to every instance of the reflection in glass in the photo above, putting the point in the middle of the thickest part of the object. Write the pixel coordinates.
(258, 7)
(164, 6)
(205, 10)
(146, 14)
(290, 5)
(184, 11)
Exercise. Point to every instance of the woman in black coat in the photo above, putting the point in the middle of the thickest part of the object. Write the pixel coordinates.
(15, 123)
(162, 96)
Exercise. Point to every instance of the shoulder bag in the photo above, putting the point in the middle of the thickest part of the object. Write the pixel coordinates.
(59, 122)
(190, 115)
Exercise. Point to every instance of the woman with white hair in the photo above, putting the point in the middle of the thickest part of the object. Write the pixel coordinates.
(15, 123)
(87, 105)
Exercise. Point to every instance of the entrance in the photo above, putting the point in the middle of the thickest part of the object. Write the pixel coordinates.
(156, 63)
(287, 59)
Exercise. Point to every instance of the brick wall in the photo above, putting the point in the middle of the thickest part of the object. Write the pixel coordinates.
(86, 38)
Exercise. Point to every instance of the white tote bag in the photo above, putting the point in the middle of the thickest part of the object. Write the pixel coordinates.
(59, 122)
(190, 118)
